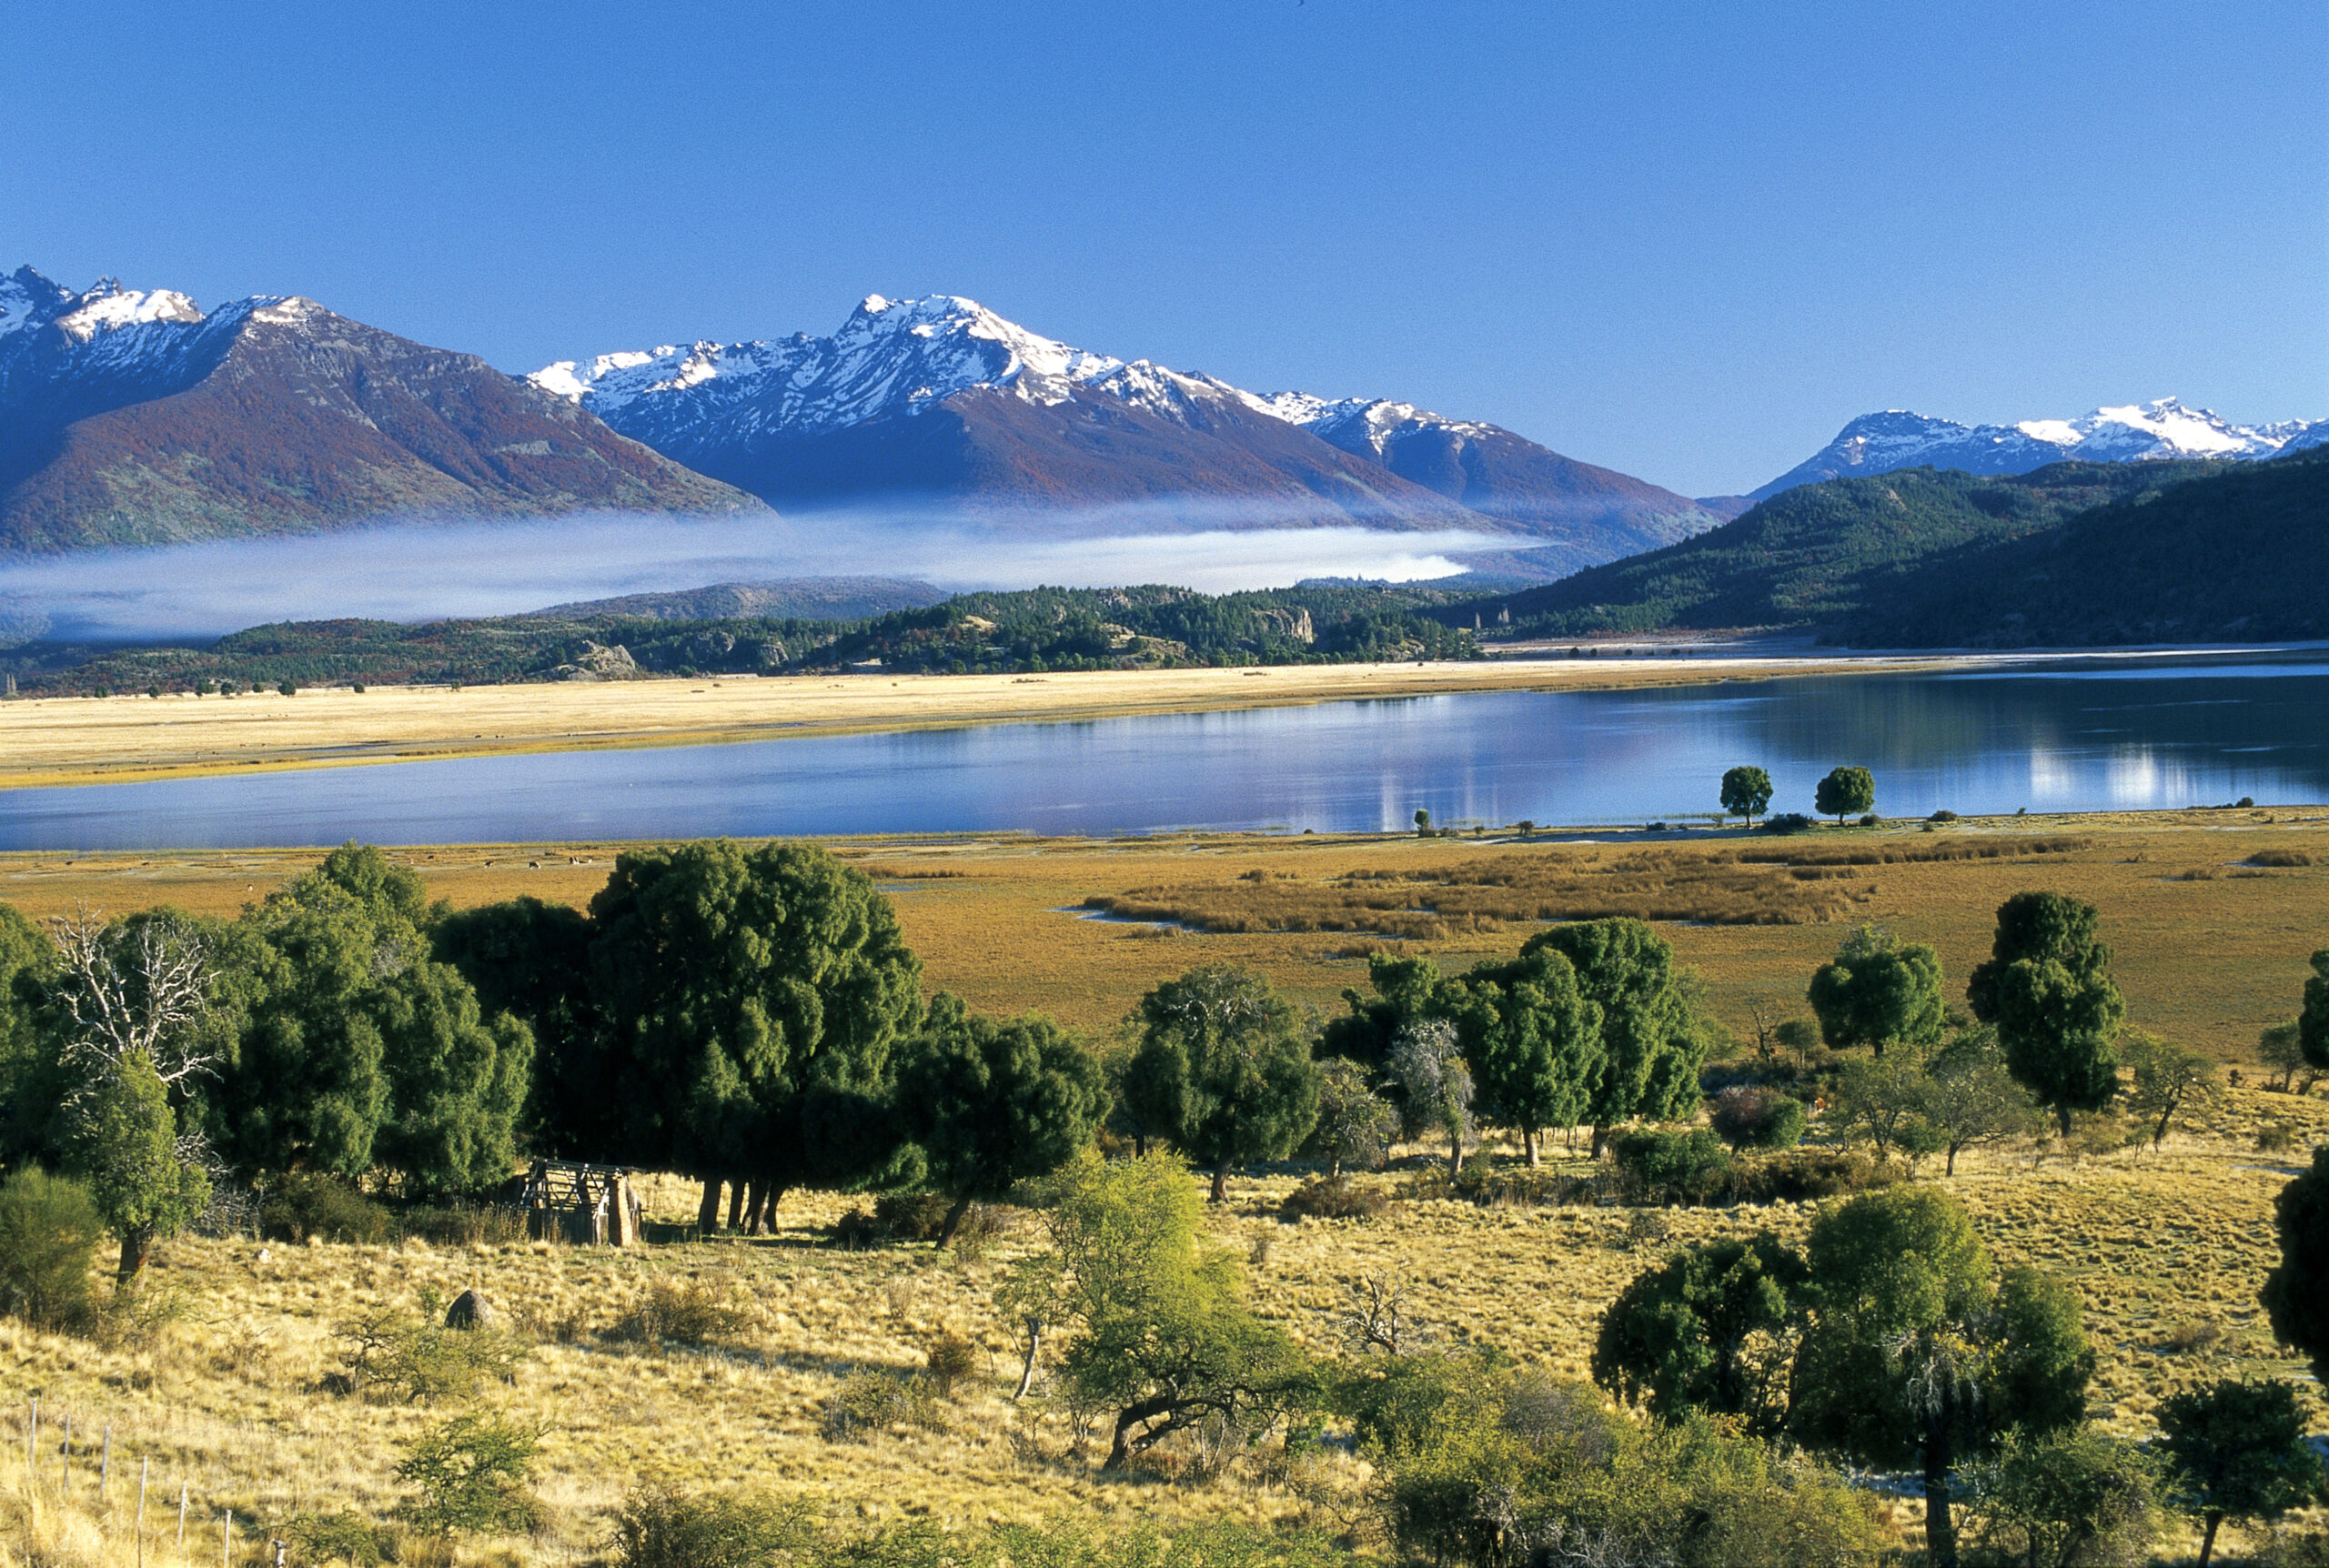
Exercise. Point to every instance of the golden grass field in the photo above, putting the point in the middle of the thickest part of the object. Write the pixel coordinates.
(2167, 1249)
(81, 740)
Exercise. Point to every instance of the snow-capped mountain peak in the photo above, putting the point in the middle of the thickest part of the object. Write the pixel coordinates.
(2134, 432)
(890, 356)
(108, 306)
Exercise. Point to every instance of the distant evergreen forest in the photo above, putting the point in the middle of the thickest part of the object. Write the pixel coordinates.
(1037, 629)
(2076, 554)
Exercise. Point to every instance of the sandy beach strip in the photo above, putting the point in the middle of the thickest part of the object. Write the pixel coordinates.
(57, 741)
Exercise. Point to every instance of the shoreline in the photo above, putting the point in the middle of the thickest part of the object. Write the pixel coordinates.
(58, 742)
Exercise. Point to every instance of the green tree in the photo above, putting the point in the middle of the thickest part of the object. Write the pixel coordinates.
(2280, 1046)
(752, 998)
(2168, 1077)
(1533, 1042)
(2313, 1023)
(1879, 991)
(532, 960)
(1224, 1068)
(991, 1103)
(1845, 792)
(1746, 792)
(1680, 1337)
(1160, 1333)
(1913, 1353)
(2238, 1450)
(2069, 1498)
(1422, 821)
(1969, 1097)
(1651, 1043)
(2296, 1292)
(1355, 1125)
(31, 1084)
(1882, 1098)
(125, 1146)
(1404, 990)
(49, 1228)
(2047, 989)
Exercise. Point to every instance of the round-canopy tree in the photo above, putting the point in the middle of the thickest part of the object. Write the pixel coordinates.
(752, 999)
(2238, 1450)
(1678, 1339)
(991, 1103)
(1746, 792)
(1878, 992)
(2296, 1292)
(1224, 1070)
(1651, 1046)
(1915, 1351)
(30, 1087)
(2047, 989)
(2313, 1024)
(1845, 792)
(533, 961)
(1532, 1040)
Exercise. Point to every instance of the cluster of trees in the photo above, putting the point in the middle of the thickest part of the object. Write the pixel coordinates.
(1842, 792)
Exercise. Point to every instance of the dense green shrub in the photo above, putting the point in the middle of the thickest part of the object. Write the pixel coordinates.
(867, 1403)
(334, 1538)
(912, 1216)
(1671, 1167)
(473, 1473)
(2072, 1499)
(1788, 822)
(417, 1360)
(49, 1229)
(307, 1204)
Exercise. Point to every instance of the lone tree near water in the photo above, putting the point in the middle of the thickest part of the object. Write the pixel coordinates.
(1845, 792)
(1746, 792)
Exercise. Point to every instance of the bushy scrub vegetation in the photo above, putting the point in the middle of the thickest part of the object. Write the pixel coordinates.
(1779, 1312)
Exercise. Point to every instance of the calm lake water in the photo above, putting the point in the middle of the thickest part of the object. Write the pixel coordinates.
(2047, 738)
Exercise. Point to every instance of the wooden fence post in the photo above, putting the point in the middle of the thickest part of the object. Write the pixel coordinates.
(227, 1540)
(141, 1510)
(32, 1437)
(105, 1467)
(64, 1462)
(181, 1519)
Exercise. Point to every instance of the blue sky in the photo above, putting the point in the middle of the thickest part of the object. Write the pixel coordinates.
(1687, 242)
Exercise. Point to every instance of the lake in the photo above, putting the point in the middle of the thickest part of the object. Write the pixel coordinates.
(2118, 735)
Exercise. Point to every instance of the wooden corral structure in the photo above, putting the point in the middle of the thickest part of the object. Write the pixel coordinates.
(590, 1205)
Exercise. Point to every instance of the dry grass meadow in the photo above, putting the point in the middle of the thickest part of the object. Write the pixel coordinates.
(2167, 1249)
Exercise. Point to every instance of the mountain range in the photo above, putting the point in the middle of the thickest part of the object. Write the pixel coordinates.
(135, 417)
(2142, 432)
(940, 400)
(131, 417)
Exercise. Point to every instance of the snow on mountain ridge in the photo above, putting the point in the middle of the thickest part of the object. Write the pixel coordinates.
(889, 356)
(2135, 432)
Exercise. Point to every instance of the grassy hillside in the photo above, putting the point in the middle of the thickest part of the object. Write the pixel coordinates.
(1828, 554)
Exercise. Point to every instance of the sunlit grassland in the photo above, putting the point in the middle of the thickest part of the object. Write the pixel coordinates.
(2210, 950)
(2166, 1250)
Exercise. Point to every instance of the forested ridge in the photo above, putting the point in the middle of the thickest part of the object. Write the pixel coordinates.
(1149, 627)
(2077, 554)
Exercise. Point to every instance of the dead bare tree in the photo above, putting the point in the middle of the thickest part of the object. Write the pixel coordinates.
(1376, 1318)
(126, 993)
